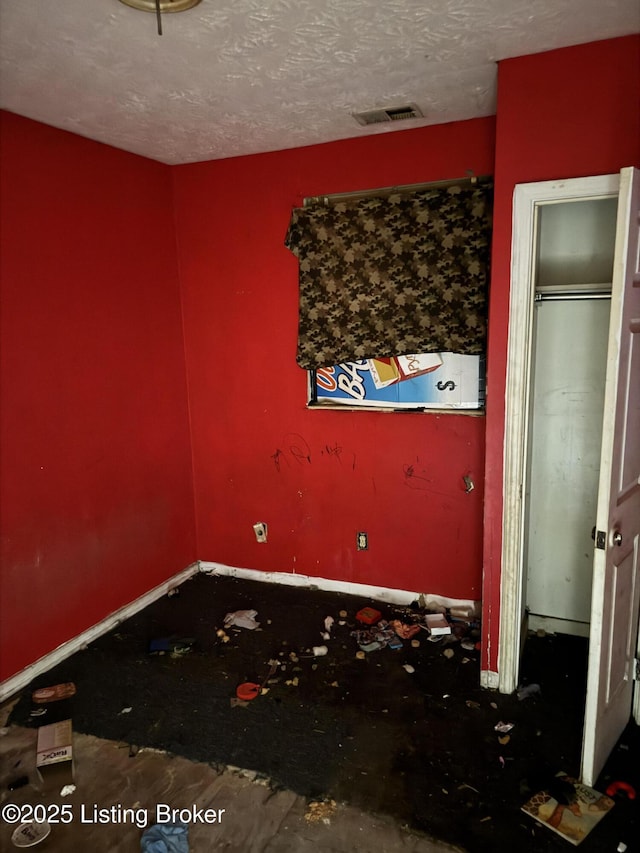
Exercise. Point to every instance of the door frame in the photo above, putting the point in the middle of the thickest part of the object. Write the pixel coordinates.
(526, 197)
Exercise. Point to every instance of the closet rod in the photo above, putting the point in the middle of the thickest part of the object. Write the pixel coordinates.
(572, 295)
(403, 188)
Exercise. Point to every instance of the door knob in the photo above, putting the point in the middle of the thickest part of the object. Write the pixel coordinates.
(617, 538)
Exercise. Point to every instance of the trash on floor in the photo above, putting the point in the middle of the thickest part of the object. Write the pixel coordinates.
(247, 691)
(30, 833)
(624, 787)
(67, 790)
(501, 727)
(442, 624)
(242, 619)
(54, 750)
(165, 838)
(55, 693)
(464, 613)
(525, 692)
(174, 645)
(574, 820)
(317, 812)
(403, 630)
(373, 646)
(377, 637)
(437, 624)
(368, 615)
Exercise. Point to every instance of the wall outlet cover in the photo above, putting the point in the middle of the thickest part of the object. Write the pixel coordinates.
(260, 529)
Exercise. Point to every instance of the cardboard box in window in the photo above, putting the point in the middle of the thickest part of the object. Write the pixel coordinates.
(54, 751)
(412, 382)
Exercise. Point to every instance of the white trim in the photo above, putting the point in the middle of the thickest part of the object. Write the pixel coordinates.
(378, 593)
(20, 680)
(489, 679)
(525, 199)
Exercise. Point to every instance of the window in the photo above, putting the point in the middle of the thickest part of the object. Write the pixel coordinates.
(393, 295)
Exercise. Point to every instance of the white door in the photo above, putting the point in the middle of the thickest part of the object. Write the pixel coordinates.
(528, 203)
(616, 585)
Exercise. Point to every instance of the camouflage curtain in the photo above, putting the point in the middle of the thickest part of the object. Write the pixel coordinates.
(392, 275)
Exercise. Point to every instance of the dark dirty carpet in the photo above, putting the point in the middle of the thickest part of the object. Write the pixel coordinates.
(418, 746)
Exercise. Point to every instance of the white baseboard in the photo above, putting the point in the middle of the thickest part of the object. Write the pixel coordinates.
(16, 682)
(490, 680)
(378, 593)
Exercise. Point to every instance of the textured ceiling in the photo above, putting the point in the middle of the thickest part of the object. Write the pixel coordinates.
(233, 77)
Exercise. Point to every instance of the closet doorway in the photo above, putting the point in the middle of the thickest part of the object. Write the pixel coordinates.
(571, 535)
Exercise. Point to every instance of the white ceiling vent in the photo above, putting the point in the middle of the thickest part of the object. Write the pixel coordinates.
(388, 114)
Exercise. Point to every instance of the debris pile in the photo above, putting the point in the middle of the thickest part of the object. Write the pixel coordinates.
(320, 812)
(408, 623)
(392, 626)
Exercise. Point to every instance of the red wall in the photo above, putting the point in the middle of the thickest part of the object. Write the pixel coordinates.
(248, 396)
(96, 495)
(96, 489)
(562, 114)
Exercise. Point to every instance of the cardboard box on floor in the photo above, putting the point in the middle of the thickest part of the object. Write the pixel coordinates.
(437, 624)
(54, 752)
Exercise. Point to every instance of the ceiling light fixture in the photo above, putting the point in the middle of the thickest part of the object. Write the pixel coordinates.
(160, 6)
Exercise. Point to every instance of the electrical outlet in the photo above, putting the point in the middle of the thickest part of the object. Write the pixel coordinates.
(260, 529)
(362, 541)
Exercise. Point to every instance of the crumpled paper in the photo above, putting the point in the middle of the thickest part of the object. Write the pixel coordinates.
(165, 838)
(242, 619)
